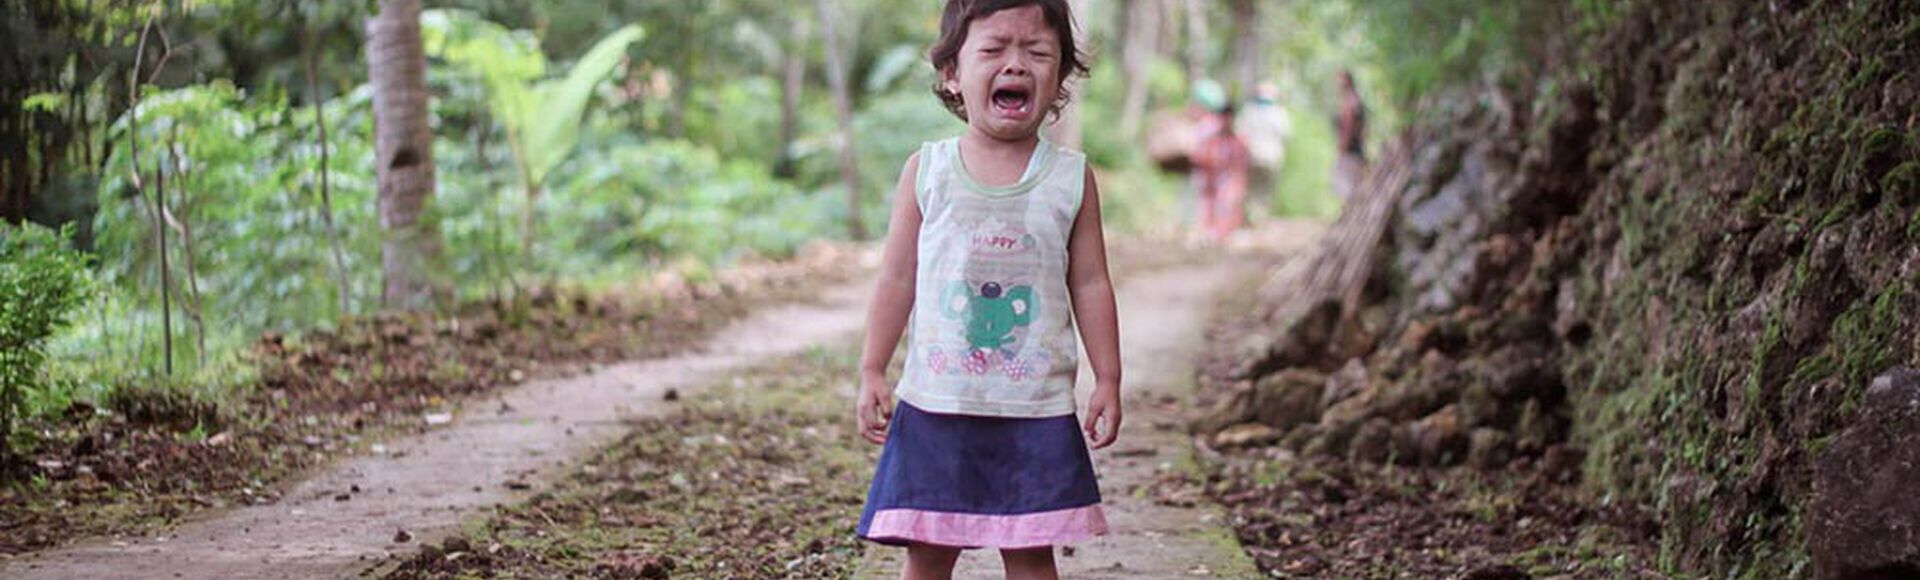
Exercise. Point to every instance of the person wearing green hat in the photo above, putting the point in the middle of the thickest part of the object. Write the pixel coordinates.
(1210, 95)
(1221, 163)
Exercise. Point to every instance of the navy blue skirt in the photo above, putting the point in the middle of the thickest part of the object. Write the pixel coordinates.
(982, 482)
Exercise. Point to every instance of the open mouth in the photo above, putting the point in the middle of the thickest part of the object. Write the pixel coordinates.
(1013, 101)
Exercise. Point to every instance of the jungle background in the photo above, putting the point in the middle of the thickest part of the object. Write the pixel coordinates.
(1640, 272)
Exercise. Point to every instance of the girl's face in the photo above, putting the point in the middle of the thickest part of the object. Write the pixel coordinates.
(1008, 73)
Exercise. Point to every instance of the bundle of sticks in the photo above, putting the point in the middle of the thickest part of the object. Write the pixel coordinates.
(1340, 266)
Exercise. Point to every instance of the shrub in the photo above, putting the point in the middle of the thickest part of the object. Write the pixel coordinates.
(42, 283)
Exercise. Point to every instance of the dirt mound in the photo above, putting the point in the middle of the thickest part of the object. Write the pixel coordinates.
(1682, 262)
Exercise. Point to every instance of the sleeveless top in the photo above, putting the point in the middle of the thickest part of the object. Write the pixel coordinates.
(992, 326)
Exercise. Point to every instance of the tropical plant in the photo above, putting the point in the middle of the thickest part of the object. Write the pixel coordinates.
(541, 115)
(42, 282)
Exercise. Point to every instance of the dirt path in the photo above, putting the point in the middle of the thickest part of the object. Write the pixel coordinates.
(331, 525)
(1162, 316)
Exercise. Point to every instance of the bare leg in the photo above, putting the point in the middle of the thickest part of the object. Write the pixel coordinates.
(1209, 203)
(929, 562)
(1030, 564)
(1232, 196)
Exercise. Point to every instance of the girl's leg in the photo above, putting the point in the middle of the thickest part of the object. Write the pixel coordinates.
(1030, 564)
(929, 562)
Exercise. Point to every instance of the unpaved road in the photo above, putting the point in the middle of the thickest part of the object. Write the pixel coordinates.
(426, 483)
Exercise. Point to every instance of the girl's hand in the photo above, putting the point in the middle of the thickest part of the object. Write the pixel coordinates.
(873, 409)
(1103, 416)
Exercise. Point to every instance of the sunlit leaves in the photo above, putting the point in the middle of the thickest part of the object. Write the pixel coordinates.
(542, 117)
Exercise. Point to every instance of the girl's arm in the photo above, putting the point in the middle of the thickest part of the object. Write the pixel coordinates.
(892, 302)
(1094, 313)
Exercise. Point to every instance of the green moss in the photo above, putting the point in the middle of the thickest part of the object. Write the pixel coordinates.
(1814, 368)
(1865, 335)
(1836, 213)
(1904, 177)
(1882, 140)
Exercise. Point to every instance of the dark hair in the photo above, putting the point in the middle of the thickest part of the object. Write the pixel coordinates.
(959, 16)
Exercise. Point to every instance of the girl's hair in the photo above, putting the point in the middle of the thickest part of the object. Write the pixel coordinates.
(959, 16)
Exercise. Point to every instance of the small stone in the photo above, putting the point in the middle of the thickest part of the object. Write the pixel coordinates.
(672, 395)
(1438, 438)
(1488, 448)
(402, 537)
(1863, 511)
(1373, 443)
(1246, 435)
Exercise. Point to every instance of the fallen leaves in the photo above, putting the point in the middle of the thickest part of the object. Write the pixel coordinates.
(139, 462)
(726, 486)
(1312, 517)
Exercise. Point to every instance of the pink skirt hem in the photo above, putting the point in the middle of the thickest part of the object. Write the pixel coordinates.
(988, 530)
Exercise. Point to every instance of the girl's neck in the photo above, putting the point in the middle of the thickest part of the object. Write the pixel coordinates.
(996, 162)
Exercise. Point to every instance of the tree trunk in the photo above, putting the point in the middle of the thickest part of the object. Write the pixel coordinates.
(1139, 45)
(184, 225)
(344, 280)
(1249, 39)
(403, 154)
(1197, 39)
(793, 81)
(1066, 131)
(156, 211)
(154, 207)
(677, 103)
(843, 104)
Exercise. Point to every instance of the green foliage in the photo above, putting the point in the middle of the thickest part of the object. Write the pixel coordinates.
(634, 206)
(1304, 185)
(541, 116)
(1426, 45)
(741, 117)
(239, 174)
(890, 129)
(42, 282)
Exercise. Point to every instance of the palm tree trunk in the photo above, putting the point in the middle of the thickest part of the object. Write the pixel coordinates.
(843, 104)
(403, 154)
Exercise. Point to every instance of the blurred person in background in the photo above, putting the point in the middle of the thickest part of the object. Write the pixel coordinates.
(1351, 124)
(1264, 126)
